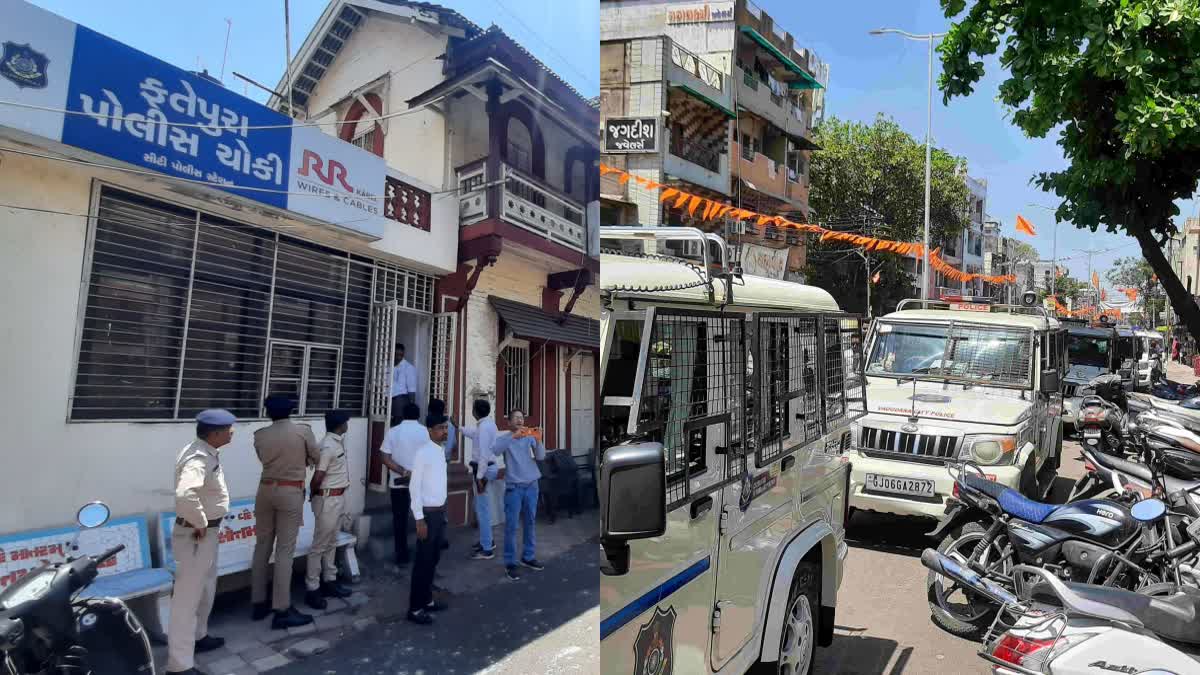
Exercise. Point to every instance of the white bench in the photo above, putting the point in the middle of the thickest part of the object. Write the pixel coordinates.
(235, 552)
(129, 576)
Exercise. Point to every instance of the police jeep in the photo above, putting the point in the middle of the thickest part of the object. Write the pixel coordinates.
(727, 401)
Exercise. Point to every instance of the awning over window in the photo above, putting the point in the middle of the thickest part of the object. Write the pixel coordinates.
(808, 81)
(701, 97)
(531, 323)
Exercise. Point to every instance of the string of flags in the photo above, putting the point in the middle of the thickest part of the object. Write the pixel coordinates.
(1083, 312)
(710, 210)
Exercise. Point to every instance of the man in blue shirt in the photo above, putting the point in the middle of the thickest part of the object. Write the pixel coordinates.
(521, 450)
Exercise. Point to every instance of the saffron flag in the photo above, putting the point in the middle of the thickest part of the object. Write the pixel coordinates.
(1025, 227)
(875, 279)
(1096, 280)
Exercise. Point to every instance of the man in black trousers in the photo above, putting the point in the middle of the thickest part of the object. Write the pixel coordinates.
(428, 491)
(398, 449)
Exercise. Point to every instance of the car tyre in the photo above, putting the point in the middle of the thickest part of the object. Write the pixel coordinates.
(801, 625)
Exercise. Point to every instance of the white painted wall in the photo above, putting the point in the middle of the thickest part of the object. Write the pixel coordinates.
(383, 44)
(52, 466)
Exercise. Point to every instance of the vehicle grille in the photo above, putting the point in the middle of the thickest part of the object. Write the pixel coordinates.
(903, 445)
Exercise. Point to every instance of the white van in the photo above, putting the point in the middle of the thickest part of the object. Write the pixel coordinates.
(1148, 359)
(727, 405)
(952, 381)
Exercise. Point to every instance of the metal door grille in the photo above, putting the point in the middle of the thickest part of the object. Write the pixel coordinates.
(516, 379)
(441, 377)
(383, 336)
(694, 397)
(845, 392)
(786, 401)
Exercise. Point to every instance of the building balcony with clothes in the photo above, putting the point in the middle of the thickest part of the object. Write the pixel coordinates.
(699, 106)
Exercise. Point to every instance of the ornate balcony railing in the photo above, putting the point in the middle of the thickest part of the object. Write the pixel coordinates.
(525, 202)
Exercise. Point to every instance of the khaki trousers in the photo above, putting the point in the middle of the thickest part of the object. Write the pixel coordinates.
(192, 596)
(278, 512)
(327, 512)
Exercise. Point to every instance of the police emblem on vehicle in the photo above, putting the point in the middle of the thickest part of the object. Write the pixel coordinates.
(653, 651)
(24, 66)
(909, 428)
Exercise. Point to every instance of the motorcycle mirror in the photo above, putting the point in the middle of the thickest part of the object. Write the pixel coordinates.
(93, 515)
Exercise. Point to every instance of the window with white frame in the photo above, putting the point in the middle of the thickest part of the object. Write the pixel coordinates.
(186, 311)
(516, 378)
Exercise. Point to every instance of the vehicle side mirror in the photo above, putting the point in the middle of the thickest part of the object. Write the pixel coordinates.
(92, 515)
(1050, 383)
(633, 500)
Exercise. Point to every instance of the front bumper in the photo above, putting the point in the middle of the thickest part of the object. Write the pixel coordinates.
(902, 505)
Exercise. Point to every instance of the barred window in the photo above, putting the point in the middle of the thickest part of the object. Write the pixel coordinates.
(516, 378)
(187, 311)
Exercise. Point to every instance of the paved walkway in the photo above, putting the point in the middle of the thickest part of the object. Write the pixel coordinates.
(381, 597)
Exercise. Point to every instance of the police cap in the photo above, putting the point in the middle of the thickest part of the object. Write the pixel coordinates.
(335, 419)
(278, 404)
(216, 418)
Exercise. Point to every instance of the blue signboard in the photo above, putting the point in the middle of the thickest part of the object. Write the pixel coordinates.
(130, 97)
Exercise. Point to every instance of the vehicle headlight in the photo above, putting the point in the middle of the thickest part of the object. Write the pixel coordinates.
(989, 448)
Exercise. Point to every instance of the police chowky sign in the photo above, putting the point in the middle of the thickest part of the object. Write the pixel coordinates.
(631, 134)
(764, 262)
(236, 535)
(140, 110)
(701, 13)
(22, 553)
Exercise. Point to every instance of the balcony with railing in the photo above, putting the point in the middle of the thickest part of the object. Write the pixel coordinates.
(685, 69)
(524, 201)
(697, 162)
(756, 96)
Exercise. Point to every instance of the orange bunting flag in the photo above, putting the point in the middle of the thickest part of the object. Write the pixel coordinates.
(1096, 280)
(667, 194)
(875, 279)
(1025, 227)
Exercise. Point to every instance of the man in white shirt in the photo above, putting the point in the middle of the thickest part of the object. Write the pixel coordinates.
(397, 451)
(404, 383)
(483, 468)
(428, 490)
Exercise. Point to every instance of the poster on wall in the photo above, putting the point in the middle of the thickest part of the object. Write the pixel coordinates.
(21, 553)
(764, 262)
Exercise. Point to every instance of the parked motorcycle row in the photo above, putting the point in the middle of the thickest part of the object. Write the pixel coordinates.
(1108, 581)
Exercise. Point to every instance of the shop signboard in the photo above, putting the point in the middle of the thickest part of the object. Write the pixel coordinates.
(764, 262)
(631, 134)
(129, 106)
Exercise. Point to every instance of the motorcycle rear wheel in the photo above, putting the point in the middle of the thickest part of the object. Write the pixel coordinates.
(954, 610)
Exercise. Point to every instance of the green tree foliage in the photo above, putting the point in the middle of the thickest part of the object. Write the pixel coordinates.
(1117, 82)
(870, 179)
(1067, 288)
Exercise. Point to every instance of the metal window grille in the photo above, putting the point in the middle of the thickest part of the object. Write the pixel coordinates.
(516, 379)
(180, 307)
(988, 353)
(854, 383)
(442, 357)
(694, 397)
(787, 346)
(365, 140)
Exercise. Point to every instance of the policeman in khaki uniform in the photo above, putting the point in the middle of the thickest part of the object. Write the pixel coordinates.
(201, 502)
(286, 449)
(329, 483)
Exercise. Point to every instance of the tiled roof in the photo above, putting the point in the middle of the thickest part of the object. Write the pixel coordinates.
(495, 32)
(471, 27)
(594, 102)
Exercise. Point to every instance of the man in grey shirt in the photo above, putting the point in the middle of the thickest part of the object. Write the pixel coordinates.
(521, 448)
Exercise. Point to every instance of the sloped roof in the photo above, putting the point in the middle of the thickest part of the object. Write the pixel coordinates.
(496, 34)
(461, 21)
(527, 321)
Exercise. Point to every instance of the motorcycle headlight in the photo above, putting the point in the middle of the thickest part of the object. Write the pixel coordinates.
(989, 448)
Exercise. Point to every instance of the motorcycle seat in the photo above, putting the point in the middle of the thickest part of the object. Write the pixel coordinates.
(1019, 506)
(988, 487)
(1175, 617)
(1139, 471)
(1184, 439)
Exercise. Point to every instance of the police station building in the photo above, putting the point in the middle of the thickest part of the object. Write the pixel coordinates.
(167, 246)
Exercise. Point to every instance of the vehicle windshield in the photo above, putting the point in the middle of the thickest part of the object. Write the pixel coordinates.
(1084, 350)
(1126, 348)
(961, 352)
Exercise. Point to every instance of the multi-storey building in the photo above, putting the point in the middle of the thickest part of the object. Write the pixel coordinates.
(733, 99)
(513, 147)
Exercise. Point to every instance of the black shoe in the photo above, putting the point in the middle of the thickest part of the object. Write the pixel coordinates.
(209, 643)
(481, 554)
(315, 599)
(436, 606)
(261, 611)
(333, 589)
(290, 618)
(511, 572)
(476, 547)
(533, 564)
(420, 617)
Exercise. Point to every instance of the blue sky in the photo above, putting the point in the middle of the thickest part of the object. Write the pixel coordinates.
(871, 74)
(563, 34)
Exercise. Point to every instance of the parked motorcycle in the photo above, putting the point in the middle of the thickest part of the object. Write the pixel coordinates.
(1051, 627)
(991, 529)
(45, 629)
(1101, 418)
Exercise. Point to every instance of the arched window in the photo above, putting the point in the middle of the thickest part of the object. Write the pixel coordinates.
(366, 135)
(519, 153)
(576, 187)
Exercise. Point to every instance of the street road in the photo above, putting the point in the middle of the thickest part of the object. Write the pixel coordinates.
(548, 622)
(883, 625)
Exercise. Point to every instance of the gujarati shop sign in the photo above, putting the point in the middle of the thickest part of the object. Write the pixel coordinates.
(127, 105)
(631, 134)
(703, 13)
